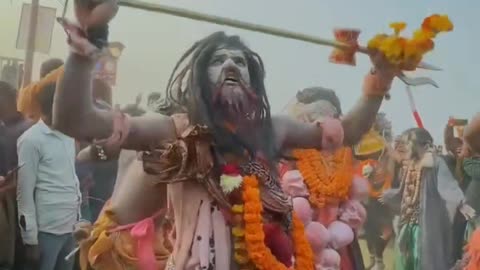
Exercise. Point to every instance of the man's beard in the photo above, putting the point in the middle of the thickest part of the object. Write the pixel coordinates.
(237, 101)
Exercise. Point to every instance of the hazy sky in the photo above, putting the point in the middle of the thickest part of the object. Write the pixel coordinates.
(154, 42)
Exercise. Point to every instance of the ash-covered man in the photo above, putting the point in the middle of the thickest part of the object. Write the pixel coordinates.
(48, 191)
(429, 195)
(227, 134)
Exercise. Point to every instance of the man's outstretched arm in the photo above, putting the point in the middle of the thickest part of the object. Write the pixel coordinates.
(76, 115)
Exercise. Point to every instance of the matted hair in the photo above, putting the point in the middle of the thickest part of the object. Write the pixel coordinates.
(189, 87)
(312, 94)
(421, 136)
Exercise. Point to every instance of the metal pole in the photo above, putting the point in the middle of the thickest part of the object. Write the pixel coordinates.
(30, 49)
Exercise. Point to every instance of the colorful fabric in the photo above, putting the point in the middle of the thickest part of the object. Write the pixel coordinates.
(473, 252)
(472, 225)
(371, 143)
(407, 256)
(133, 246)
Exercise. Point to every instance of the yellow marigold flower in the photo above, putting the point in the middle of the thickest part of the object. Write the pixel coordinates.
(237, 208)
(238, 231)
(421, 34)
(410, 50)
(437, 23)
(407, 52)
(376, 41)
(398, 27)
(239, 246)
(392, 47)
(240, 258)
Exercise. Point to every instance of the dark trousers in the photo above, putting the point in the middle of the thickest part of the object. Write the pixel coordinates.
(458, 239)
(8, 229)
(54, 249)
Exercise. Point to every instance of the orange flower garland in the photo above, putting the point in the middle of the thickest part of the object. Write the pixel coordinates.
(327, 182)
(408, 52)
(258, 252)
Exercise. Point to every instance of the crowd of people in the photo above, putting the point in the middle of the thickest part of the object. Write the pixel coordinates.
(206, 177)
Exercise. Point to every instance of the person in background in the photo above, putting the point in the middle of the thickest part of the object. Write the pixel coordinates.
(453, 145)
(27, 97)
(454, 161)
(12, 125)
(471, 168)
(427, 193)
(49, 66)
(48, 191)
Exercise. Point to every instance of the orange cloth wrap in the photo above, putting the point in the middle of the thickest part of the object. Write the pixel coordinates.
(112, 249)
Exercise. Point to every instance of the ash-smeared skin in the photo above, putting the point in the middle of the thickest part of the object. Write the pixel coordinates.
(94, 13)
(75, 115)
(229, 75)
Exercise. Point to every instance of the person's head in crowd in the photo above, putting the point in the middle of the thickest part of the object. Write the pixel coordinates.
(457, 145)
(49, 66)
(45, 99)
(414, 143)
(8, 101)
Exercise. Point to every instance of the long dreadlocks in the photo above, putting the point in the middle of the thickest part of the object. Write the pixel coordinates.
(189, 87)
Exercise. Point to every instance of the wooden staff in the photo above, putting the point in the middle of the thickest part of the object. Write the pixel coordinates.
(184, 13)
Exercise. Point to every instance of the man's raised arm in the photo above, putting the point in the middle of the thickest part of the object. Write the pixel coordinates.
(74, 112)
(360, 119)
(76, 115)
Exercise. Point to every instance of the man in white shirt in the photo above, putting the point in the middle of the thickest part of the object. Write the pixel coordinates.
(48, 191)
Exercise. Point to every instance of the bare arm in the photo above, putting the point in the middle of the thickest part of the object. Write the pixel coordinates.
(295, 134)
(90, 153)
(448, 136)
(376, 84)
(291, 133)
(76, 115)
(360, 119)
(85, 155)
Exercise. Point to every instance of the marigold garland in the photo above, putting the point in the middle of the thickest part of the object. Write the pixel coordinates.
(238, 232)
(326, 183)
(405, 52)
(258, 252)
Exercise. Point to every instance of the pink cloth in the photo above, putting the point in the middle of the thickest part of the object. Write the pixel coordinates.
(353, 213)
(144, 233)
(195, 224)
(293, 185)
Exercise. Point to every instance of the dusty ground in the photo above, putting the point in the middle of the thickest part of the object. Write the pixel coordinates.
(388, 255)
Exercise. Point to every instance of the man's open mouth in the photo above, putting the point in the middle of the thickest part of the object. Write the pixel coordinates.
(230, 81)
(231, 78)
